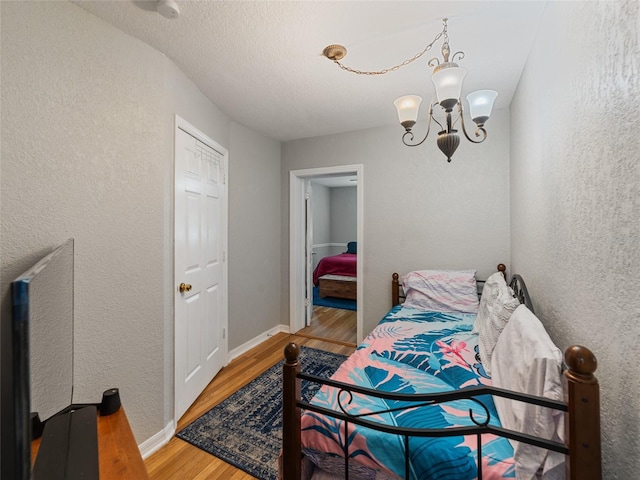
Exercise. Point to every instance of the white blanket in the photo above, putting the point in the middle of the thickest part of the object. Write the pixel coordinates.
(526, 360)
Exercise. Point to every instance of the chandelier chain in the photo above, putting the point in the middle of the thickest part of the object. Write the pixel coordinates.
(396, 67)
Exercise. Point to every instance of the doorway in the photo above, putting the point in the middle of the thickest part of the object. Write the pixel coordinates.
(302, 260)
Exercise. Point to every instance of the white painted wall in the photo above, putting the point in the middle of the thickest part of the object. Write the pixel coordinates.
(575, 200)
(321, 211)
(344, 215)
(254, 235)
(419, 211)
(83, 156)
(87, 152)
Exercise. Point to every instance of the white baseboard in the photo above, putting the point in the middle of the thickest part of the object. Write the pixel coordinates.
(254, 342)
(158, 440)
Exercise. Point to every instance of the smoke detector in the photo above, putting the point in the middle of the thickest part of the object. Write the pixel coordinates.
(168, 9)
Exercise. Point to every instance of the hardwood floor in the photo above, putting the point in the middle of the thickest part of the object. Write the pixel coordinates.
(179, 459)
(332, 324)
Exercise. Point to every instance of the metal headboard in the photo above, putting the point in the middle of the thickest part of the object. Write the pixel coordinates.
(520, 289)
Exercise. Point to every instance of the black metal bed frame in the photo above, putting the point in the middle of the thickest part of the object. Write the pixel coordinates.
(520, 290)
(422, 400)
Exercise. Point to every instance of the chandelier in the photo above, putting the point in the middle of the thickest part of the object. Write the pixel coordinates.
(447, 79)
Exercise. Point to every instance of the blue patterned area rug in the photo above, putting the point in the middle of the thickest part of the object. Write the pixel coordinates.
(245, 430)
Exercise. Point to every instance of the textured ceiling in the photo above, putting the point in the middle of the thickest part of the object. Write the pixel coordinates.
(261, 62)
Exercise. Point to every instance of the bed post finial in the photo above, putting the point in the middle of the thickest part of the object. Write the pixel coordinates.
(583, 421)
(291, 442)
(291, 353)
(395, 290)
(502, 268)
(582, 363)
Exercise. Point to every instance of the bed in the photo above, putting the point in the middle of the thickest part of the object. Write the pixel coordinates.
(427, 395)
(335, 275)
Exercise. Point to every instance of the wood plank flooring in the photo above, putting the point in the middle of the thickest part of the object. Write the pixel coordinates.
(332, 324)
(179, 459)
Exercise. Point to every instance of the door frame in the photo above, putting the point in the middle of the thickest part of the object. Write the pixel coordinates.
(182, 124)
(297, 240)
(308, 314)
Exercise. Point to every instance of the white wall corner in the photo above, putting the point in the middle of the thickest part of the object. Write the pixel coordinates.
(254, 342)
(157, 441)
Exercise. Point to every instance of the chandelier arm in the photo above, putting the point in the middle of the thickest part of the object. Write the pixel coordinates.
(434, 118)
(460, 56)
(410, 133)
(479, 130)
(453, 124)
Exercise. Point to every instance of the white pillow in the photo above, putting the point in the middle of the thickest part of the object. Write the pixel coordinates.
(441, 290)
(526, 360)
(496, 306)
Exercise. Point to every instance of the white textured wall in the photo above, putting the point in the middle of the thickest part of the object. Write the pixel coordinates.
(254, 235)
(87, 152)
(321, 206)
(344, 215)
(575, 200)
(419, 210)
(82, 157)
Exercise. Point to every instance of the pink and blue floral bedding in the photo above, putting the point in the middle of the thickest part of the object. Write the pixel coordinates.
(410, 351)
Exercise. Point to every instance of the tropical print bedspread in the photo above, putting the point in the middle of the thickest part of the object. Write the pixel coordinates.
(410, 351)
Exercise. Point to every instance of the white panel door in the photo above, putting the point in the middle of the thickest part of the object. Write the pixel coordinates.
(200, 274)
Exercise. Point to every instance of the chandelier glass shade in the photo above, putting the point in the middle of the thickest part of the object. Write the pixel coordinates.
(481, 104)
(448, 85)
(407, 108)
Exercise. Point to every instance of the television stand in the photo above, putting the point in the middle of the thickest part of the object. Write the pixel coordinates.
(118, 453)
(69, 446)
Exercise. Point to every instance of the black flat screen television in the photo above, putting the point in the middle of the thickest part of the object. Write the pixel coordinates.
(42, 321)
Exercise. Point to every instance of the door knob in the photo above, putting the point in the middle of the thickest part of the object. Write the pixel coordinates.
(184, 287)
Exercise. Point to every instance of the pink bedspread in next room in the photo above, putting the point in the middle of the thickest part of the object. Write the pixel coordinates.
(343, 264)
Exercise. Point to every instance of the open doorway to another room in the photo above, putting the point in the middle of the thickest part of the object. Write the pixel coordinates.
(333, 232)
(326, 255)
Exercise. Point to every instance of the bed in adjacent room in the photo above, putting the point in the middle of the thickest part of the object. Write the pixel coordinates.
(447, 387)
(336, 275)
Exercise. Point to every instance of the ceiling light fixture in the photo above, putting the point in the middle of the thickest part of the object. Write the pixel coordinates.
(168, 9)
(447, 79)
